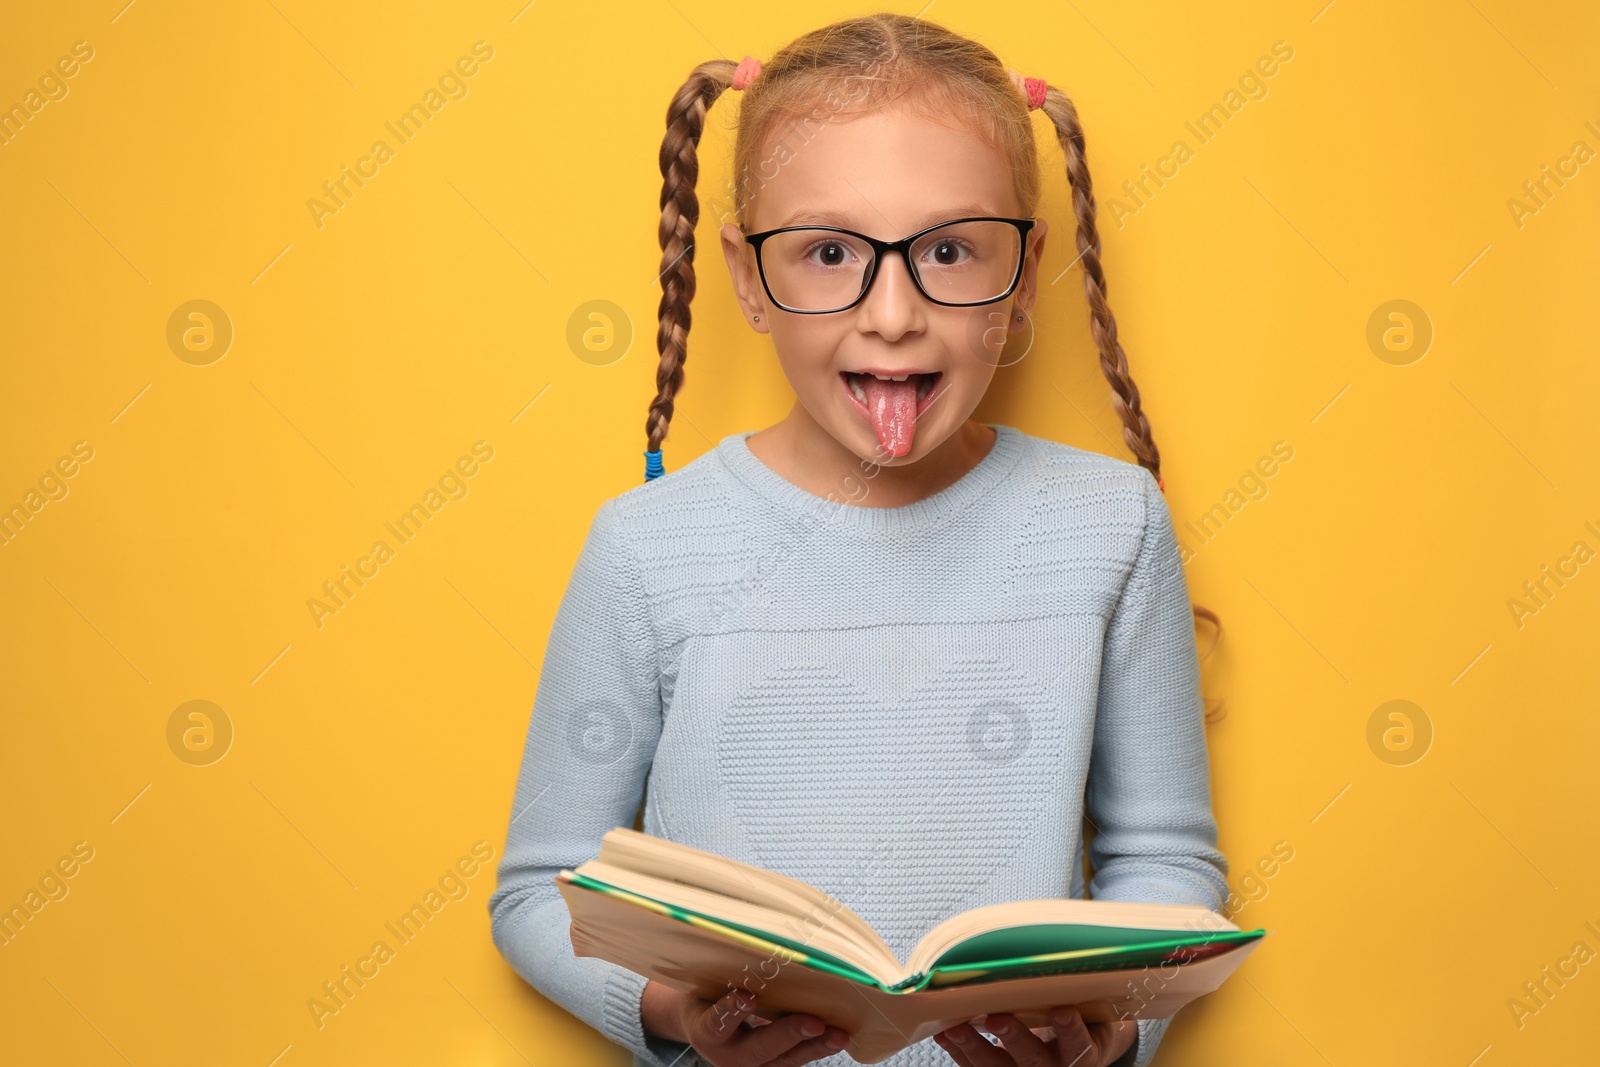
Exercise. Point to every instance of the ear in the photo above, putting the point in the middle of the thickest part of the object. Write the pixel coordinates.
(1028, 287)
(741, 257)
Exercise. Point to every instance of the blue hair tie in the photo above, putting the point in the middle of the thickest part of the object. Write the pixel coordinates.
(652, 465)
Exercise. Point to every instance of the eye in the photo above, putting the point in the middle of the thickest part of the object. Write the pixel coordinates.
(949, 252)
(833, 253)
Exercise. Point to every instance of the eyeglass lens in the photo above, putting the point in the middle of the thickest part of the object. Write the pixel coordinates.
(823, 270)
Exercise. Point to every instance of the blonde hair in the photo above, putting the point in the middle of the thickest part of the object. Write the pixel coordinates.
(852, 64)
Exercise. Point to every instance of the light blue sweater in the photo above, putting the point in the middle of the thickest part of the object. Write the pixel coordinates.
(909, 707)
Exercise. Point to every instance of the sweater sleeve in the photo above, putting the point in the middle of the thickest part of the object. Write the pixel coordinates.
(1149, 792)
(590, 743)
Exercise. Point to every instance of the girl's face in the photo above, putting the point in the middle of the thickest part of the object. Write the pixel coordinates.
(886, 173)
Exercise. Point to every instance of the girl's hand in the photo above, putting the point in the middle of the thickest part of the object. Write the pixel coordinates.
(1073, 1042)
(716, 1030)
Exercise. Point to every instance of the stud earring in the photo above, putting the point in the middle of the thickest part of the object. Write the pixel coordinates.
(758, 318)
(1014, 351)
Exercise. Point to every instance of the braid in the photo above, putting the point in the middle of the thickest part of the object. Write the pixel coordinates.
(900, 52)
(1113, 361)
(680, 210)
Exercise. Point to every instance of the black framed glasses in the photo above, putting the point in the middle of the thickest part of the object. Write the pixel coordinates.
(816, 270)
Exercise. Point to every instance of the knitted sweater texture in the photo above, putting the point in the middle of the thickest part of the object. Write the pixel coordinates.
(912, 708)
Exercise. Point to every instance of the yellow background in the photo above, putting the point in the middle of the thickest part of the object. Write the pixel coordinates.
(369, 353)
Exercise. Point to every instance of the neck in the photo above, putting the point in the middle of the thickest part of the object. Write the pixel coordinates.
(806, 455)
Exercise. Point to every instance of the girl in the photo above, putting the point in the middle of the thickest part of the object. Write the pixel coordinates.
(879, 646)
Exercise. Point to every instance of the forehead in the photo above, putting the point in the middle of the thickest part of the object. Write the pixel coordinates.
(884, 172)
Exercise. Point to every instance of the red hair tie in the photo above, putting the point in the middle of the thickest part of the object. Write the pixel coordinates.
(1035, 87)
(1032, 88)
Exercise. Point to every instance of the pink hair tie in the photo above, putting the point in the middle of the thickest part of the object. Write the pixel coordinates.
(1033, 88)
(749, 70)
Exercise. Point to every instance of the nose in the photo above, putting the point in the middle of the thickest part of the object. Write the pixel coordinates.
(893, 306)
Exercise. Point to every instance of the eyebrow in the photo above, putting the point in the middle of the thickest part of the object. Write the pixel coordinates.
(845, 220)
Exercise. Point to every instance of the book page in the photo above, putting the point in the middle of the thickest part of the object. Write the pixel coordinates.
(871, 957)
(1078, 924)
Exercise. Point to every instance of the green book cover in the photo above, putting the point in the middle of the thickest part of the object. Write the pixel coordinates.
(1012, 952)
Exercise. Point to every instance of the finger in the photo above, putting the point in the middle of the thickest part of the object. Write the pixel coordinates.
(766, 1044)
(953, 1049)
(979, 1052)
(827, 1044)
(1074, 1046)
(719, 1023)
(1024, 1045)
(1104, 1036)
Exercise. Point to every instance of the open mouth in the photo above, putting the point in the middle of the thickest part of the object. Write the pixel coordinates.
(855, 384)
(892, 403)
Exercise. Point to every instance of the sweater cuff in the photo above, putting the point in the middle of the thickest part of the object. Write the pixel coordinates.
(1130, 1054)
(1151, 1032)
(623, 1025)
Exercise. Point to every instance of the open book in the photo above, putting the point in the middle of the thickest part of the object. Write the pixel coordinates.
(707, 924)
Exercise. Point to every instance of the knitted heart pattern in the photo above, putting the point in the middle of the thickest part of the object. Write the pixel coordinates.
(973, 731)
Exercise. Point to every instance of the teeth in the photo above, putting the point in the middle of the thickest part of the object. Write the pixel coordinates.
(854, 378)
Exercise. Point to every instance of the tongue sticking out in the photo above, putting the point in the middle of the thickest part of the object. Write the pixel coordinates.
(892, 408)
